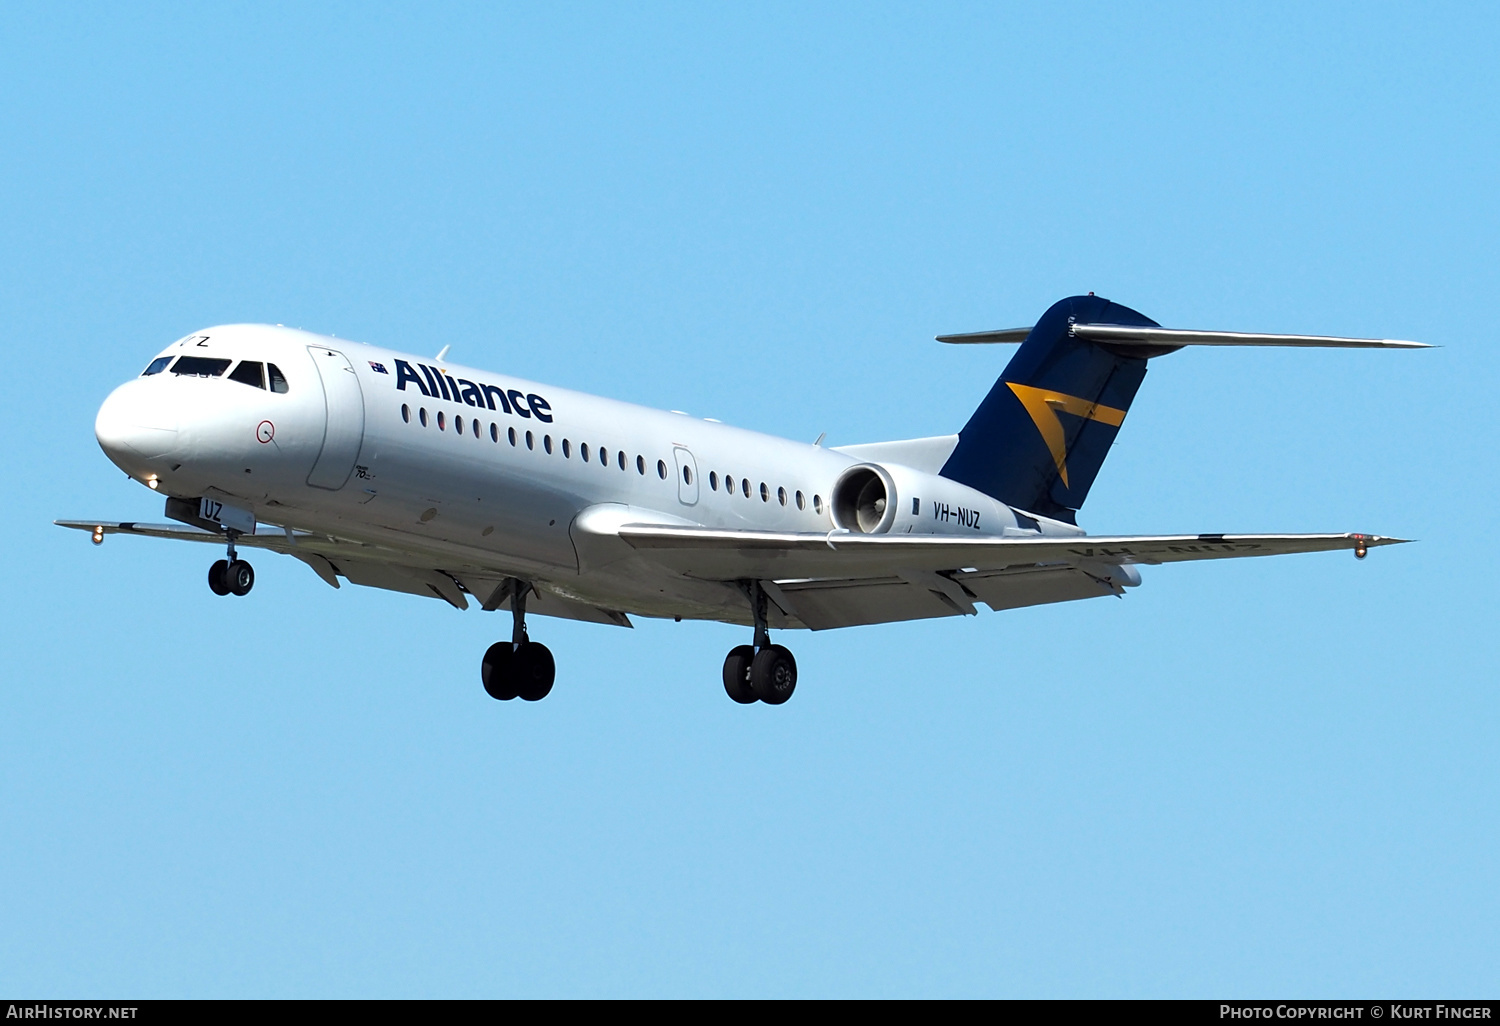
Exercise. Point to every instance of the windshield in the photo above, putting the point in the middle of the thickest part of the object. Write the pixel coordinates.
(200, 367)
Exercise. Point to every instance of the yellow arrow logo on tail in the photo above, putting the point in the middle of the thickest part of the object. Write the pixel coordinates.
(1044, 406)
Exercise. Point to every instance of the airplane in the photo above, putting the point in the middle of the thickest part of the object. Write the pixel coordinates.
(418, 475)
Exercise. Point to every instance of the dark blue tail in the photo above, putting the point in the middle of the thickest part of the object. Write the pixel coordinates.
(1039, 438)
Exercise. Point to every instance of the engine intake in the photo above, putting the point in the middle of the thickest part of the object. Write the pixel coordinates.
(864, 499)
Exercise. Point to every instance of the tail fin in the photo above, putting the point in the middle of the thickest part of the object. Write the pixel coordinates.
(1040, 436)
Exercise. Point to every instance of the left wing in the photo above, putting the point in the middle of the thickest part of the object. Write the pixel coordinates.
(378, 566)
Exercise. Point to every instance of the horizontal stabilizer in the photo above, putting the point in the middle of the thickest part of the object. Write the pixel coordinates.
(978, 338)
(1126, 335)
(1130, 335)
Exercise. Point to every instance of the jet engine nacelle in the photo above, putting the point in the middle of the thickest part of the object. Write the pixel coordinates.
(888, 498)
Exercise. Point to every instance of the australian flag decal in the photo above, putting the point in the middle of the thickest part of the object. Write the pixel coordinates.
(378, 368)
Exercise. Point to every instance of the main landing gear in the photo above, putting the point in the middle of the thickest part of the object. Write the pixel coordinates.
(518, 668)
(761, 672)
(232, 576)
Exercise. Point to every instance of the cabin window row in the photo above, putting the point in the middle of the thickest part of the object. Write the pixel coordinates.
(744, 488)
(605, 455)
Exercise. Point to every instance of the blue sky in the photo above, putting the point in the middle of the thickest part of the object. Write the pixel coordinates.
(1247, 778)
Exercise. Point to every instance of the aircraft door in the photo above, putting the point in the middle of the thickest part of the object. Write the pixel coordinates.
(687, 476)
(344, 420)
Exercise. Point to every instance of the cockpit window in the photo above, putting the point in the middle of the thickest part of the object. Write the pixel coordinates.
(200, 367)
(278, 383)
(250, 372)
(157, 366)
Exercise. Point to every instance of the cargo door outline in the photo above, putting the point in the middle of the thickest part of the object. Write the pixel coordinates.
(343, 419)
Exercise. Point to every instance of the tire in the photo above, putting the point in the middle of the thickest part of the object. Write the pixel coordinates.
(534, 671)
(773, 675)
(497, 671)
(218, 577)
(737, 675)
(240, 577)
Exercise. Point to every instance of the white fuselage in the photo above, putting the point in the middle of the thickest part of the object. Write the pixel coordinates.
(406, 453)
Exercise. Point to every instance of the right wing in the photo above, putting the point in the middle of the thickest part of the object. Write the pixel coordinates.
(843, 580)
(739, 555)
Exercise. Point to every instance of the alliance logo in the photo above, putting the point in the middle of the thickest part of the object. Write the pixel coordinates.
(435, 384)
(1044, 405)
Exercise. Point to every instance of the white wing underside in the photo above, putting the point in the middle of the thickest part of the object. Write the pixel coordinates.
(841, 580)
(819, 581)
(379, 567)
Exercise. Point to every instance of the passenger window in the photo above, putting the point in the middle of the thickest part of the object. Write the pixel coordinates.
(567, 449)
(640, 465)
(603, 456)
(583, 451)
(745, 486)
(661, 469)
(530, 441)
(622, 459)
(781, 496)
(547, 444)
(765, 493)
(442, 421)
(495, 433)
(199, 367)
(250, 372)
(511, 434)
(817, 504)
(405, 413)
(687, 475)
(278, 383)
(458, 424)
(476, 427)
(157, 366)
(422, 416)
(801, 500)
(713, 481)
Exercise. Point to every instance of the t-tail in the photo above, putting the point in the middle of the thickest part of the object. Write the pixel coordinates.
(1038, 439)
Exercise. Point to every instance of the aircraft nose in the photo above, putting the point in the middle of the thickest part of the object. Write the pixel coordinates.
(135, 427)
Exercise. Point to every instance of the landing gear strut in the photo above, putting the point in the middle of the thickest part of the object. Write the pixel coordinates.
(762, 671)
(518, 668)
(232, 576)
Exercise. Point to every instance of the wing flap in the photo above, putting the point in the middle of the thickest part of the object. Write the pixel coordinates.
(823, 605)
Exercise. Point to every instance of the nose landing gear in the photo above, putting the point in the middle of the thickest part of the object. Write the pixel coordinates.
(232, 576)
(518, 668)
(760, 672)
